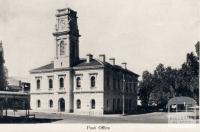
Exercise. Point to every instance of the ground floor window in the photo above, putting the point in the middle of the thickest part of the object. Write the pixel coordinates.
(114, 104)
(78, 104)
(107, 103)
(38, 103)
(130, 106)
(118, 104)
(126, 104)
(51, 103)
(92, 104)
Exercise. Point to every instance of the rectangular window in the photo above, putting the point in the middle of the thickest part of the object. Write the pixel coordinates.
(50, 83)
(108, 82)
(38, 103)
(62, 48)
(78, 82)
(93, 104)
(107, 103)
(38, 83)
(114, 83)
(92, 81)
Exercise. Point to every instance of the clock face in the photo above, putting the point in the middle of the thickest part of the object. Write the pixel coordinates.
(63, 24)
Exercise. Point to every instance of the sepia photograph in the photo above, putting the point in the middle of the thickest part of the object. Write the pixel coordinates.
(99, 62)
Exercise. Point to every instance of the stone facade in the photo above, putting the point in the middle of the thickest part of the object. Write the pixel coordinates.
(90, 86)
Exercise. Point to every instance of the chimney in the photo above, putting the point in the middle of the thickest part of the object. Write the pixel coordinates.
(112, 61)
(124, 65)
(89, 57)
(102, 57)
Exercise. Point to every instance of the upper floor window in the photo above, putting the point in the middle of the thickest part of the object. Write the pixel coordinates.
(119, 84)
(93, 104)
(135, 87)
(61, 82)
(50, 83)
(108, 81)
(93, 81)
(38, 83)
(114, 83)
(126, 89)
(38, 103)
(51, 103)
(78, 82)
(62, 48)
(78, 104)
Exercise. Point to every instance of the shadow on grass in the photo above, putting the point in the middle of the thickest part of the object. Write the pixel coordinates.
(23, 120)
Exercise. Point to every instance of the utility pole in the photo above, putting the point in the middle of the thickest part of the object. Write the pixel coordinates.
(123, 105)
(6, 105)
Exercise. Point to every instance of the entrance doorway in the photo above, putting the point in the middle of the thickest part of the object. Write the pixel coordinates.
(61, 105)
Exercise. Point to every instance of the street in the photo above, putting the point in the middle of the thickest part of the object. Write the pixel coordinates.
(156, 117)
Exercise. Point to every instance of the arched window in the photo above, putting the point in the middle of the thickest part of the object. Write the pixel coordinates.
(78, 82)
(50, 83)
(51, 103)
(92, 81)
(38, 103)
(92, 104)
(38, 84)
(61, 82)
(62, 48)
(78, 104)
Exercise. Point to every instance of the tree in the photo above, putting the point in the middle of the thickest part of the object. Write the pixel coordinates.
(164, 86)
(3, 82)
(145, 88)
(165, 83)
(192, 70)
(197, 48)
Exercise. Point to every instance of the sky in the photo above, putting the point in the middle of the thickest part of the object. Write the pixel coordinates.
(142, 33)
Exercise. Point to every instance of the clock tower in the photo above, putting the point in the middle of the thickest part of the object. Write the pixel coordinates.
(66, 38)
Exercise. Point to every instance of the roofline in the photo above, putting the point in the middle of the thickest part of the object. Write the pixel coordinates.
(50, 70)
(88, 67)
(101, 66)
(125, 70)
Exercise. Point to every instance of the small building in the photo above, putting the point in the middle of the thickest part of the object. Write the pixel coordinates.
(90, 86)
(18, 84)
(182, 109)
(14, 92)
